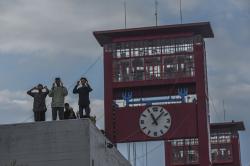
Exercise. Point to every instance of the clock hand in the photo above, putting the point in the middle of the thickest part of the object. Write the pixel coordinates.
(158, 117)
(154, 120)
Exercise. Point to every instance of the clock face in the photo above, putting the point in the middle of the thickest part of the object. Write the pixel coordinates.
(155, 121)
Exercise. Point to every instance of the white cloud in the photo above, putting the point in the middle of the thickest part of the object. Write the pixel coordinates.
(57, 27)
(64, 27)
(16, 99)
(49, 27)
(14, 106)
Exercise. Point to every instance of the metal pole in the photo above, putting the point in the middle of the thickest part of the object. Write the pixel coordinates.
(146, 154)
(224, 110)
(156, 13)
(135, 154)
(134, 161)
(180, 11)
(128, 148)
(125, 14)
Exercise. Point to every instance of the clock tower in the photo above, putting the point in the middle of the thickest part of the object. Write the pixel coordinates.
(155, 87)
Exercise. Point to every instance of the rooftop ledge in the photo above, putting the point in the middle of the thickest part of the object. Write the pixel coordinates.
(200, 28)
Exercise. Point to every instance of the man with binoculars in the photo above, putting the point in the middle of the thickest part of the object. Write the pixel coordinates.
(83, 89)
(58, 93)
(39, 93)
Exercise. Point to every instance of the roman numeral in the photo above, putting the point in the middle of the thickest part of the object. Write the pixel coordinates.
(142, 121)
(165, 114)
(161, 132)
(144, 115)
(168, 120)
(166, 127)
(144, 128)
(155, 133)
(155, 109)
(149, 132)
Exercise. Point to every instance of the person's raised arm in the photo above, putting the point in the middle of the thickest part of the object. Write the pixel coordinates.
(65, 91)
(51, 92)
(89, 87)
(29, 92)
(46, 90)
(75, 90)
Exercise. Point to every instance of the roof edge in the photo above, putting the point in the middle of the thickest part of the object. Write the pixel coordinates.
(203, 28)
(235, 125)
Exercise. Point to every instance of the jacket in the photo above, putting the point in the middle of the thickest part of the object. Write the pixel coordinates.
(83, 92)
(69, 114)
(39, 103)
(58, 95)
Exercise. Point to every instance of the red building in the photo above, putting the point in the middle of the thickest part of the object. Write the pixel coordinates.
(225, 146)
(155, 85)
(225, 143)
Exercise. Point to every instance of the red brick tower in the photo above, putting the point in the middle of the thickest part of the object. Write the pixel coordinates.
(155, 82)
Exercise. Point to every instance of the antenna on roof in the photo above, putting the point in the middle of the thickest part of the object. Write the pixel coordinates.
(156, 13)
(224, 110)
(180, 12)
(125, 14)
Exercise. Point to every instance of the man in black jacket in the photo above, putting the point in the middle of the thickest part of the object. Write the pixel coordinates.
(82, 89)
(39, 94)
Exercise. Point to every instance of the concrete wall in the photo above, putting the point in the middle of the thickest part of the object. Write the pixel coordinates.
(99, 153)
(57, 143)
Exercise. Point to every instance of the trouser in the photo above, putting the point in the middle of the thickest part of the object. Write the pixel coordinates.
(39, 116)
(60, 113)
(87, 110)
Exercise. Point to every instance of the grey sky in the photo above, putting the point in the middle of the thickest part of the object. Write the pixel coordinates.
(40, 40)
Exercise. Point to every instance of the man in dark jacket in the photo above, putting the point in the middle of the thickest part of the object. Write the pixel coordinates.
(39, 94)
(69, 112)
(82, 89)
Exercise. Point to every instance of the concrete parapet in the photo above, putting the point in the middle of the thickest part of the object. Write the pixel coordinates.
(57, 143)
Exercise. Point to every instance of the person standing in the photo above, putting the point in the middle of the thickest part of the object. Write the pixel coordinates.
(83, 89)
(69, 112)
(39, 93)
(58, 93)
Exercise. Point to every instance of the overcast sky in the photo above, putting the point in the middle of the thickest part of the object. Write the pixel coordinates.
(43, 39)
